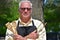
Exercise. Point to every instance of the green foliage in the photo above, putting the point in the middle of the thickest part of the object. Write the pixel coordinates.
(51, 15)
(13, 12)
(8, 13)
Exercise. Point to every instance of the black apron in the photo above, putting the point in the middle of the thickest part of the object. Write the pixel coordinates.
(24, 31)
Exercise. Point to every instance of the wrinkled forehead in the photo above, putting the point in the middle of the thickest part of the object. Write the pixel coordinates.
(25, 4)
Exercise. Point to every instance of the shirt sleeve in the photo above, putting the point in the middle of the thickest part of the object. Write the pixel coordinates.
(42, 32)
(9, 35)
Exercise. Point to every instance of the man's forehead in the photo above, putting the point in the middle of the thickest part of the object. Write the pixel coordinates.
(28, 3)
(24, 4)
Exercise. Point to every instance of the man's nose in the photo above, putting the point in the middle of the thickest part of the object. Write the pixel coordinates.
(26, 10)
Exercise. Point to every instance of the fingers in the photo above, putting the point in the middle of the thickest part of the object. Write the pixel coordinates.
(17, 36)
(35, 31)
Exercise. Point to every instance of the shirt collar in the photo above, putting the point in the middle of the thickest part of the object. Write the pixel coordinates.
(25, 24)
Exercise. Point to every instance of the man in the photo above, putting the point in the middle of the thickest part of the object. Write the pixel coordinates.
(26, 28)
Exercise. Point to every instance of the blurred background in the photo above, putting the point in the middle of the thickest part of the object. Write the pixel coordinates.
(47, 11)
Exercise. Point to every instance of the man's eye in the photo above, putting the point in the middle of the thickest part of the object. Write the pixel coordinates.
(25, 8)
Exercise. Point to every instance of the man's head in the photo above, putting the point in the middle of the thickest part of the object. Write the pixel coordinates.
(25, 9)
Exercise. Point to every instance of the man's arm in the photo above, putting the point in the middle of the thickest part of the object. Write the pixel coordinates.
(11, 36)
(33, 35)
(40, 35)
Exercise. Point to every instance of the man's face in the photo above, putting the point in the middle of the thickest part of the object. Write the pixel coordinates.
(25, 9)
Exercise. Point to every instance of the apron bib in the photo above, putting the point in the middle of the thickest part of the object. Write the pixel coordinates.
(24, 31)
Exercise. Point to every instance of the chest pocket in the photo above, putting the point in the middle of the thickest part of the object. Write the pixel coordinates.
(24, 31)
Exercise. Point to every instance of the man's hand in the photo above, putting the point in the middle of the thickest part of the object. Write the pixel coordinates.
(19, 37)
(32, 35)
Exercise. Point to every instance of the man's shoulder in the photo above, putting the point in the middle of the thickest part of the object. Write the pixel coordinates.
(37, 21)
(38, 24)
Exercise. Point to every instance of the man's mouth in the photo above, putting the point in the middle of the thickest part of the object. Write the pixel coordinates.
(26, 15)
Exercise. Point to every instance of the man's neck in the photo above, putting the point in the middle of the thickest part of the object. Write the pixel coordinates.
(25, 20)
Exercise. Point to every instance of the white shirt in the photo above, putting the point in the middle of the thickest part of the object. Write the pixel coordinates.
(39, 25)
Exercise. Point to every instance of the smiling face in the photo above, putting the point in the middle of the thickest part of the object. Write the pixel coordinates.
(25, 10)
